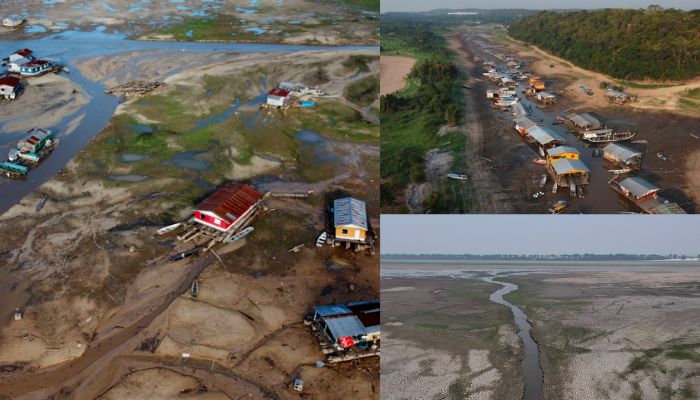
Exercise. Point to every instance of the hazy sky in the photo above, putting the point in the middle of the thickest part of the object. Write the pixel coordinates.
(540, 234)
(426, 5)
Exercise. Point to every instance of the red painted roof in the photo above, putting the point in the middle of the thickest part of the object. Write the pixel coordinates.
(278, 92)
(230, 201)
(24, 52)
(9, 81)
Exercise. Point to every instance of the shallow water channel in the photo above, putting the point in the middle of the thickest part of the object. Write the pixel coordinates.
(532, 371)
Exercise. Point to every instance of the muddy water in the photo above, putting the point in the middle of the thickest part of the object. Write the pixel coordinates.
(69, 46)
(532, 371)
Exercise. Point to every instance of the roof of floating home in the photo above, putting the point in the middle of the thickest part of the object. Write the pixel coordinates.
(667, 208)
(518, 109)
(23, 52)
(345, 326)
(545, 94)
(638, 186)
(585, 119)
(555, 151)
(565, 166)
(524, 122)
(230, 201)
(621, 152)
(616, 93)
(543, 135)
(278, 92)
(37, 63)
(9, 81)
(349, 211)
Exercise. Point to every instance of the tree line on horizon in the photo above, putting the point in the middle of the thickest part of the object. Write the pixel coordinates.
(622, 43)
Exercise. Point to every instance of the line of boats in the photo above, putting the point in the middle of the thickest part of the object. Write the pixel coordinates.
(28, 153)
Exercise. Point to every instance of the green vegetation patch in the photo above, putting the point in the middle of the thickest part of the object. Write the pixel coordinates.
(622, 43)
(359, 62)
(370, 5)
(364, 91)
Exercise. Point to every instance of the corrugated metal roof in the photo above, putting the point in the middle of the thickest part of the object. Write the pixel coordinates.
(230, 201)
(544, 135)
(9, 81)
(586, 120)
(561, 150)
(278, 92)
(325, 311)
(545, 94)
(620, 152)
(345, 326)
(350, 211)
(637, 186)
(564, 166)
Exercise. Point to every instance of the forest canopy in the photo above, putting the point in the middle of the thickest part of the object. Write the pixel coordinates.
(627, 44)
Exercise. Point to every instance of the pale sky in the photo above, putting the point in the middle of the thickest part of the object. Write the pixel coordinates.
(426, 5)
(540, 234)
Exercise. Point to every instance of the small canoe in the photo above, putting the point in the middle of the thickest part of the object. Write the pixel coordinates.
(539, 161)
(321, 239)
(240, 235)
(194, 289)
(168, 229)
(461, 177)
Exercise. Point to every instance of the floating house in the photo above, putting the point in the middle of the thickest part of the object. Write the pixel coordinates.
(37, 140)
(585, 121)
(10, 87)
(13, 21)
(623, 156)
(350, 220)
(37, 67)
(559, 152)
(645, 195)
(567, 172)
(507, 81)
(507, 101)
(229, 207)
(536, 83)
(544, 137)
(522, 124)
(292, 87)
(618, 97)
(19, 58)
(517, 110)
(546, 98)
(278, 97)
(349, 330)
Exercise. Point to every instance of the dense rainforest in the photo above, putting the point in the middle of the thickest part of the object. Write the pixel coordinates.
(627, 44)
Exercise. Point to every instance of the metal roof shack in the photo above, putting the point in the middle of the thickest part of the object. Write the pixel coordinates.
(345, 328)
(544, 136)
(559, 150)
(638, 188)
(617, 96)
(227, 205)
(26, 53)
(278, 92)
(9, 81)
(349, 211)
(585, 121)
(623, 155)
(565, 166)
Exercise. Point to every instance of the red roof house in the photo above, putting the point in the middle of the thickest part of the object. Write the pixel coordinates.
(24, 53)
(228, 205)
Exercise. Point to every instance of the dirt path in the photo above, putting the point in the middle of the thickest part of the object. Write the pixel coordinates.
(488, 195)
(100, 353)
(393, 74)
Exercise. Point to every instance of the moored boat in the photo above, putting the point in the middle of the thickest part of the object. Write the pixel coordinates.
(458, 176)
(321, 239)
(558, 206)
(168, 229)
(240, 235)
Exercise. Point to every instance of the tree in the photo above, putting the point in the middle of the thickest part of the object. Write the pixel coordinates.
(452, 114)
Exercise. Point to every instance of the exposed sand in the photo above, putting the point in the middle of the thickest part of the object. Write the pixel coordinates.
(45, 101)
(394, 71)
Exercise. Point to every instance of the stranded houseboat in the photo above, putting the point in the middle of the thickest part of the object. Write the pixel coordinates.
(29, 153)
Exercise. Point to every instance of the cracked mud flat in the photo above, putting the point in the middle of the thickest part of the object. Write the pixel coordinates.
(605, 331)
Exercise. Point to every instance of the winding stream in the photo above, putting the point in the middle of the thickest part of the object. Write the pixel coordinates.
(532, 371)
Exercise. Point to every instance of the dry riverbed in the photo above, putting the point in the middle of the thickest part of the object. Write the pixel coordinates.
(105, 313)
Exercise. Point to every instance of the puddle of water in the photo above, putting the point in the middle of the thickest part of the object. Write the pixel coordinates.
(189, 33)
(84, 7)
(142, 128)
(189, 160)
(36, 29)
(129, 158)
(317, 146)
(255, 29)
(246, 10)
(108, 7)
(534, 377)
(127, 178)
(203, 123)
